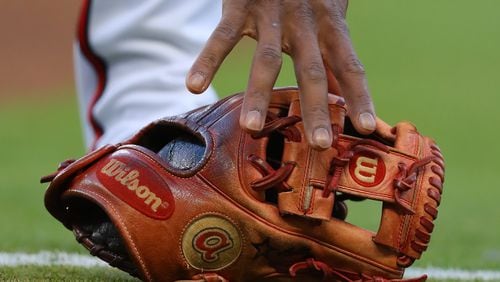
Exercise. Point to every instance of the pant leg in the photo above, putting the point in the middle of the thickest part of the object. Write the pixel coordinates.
(131, 59)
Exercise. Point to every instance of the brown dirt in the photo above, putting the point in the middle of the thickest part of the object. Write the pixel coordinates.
(36, 45)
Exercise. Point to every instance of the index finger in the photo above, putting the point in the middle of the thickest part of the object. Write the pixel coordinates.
(225, 36)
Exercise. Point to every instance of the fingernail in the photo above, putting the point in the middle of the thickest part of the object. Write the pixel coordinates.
(254, 120)
(197, 81)
(367, 121)
(322, 138)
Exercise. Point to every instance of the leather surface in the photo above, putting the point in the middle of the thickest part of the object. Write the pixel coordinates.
(311, 171)
(222, 220)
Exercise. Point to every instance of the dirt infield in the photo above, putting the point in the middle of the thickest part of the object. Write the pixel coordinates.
(36, 45)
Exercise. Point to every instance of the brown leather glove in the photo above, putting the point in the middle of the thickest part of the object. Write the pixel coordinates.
(195, 197)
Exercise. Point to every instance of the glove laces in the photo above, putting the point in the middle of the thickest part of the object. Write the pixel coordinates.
(275, 177)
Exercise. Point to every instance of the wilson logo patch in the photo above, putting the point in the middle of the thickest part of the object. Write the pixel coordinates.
(367, 169)
(211, 242)
(138, 186)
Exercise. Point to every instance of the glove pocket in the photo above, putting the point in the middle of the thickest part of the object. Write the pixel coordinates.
(120, 206)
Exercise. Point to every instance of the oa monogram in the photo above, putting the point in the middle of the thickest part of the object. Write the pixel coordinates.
(367, 169)
(211, 242)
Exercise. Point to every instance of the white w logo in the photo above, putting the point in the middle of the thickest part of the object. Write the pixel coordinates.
(366, 169)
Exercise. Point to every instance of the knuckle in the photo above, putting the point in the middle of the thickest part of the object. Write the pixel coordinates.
(209, 60)
(270, 54)
(337, 19)
(364, 101)
(339, 25)
(314, 72)
(352, 65)
(364, 98)
(255, 98)
(315, 107)
(304, 14)
(334, 19)
(342, 6)
(319, 111)
(226, 31)
(359, 102)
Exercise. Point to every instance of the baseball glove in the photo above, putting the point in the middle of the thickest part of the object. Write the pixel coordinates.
(195, 197)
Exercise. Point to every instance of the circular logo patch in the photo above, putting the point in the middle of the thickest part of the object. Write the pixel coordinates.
(367, 169)
(211, 242)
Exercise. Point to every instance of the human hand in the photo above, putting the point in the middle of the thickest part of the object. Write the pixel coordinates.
(315, 35)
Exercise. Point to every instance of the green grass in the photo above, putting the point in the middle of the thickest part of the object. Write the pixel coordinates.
(59, 273)
(36, 133)
(432, 62)
(436, 63)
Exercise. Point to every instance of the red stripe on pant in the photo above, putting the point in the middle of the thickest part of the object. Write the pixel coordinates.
(97, 63)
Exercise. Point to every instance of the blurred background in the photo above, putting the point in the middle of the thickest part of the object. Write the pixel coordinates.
(435, 63)
(35, 51)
